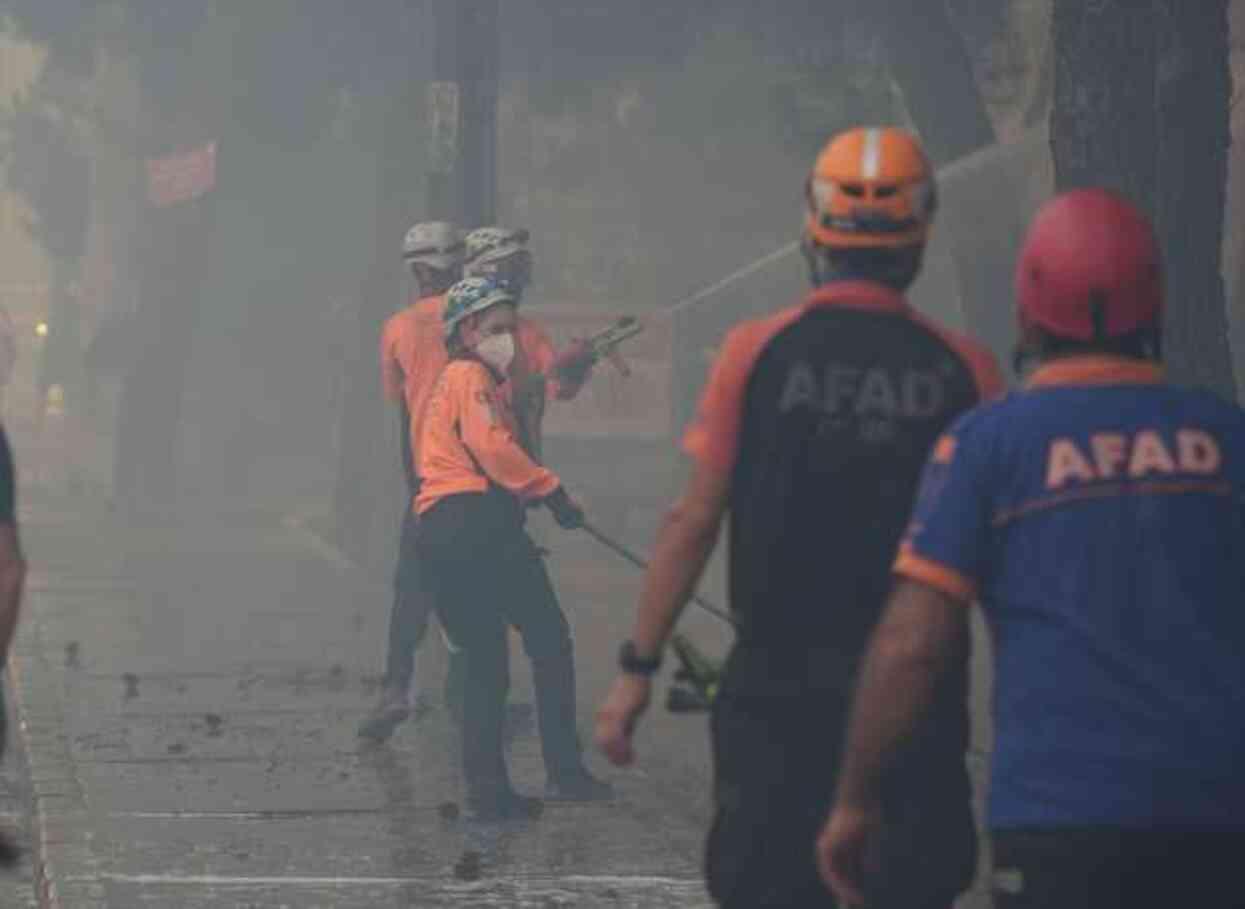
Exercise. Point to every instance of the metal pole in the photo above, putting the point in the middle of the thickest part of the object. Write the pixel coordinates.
(462, 112)
(636, 560)
(444, 103)
(479, 49)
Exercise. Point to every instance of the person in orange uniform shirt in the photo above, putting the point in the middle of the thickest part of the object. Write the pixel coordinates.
(483, 570)
(540, 372)
(411, 357)
(812, 433)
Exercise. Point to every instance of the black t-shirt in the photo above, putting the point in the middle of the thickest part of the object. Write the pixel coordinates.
(824, 415)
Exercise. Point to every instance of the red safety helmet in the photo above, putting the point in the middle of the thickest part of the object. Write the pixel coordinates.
(1090, 269)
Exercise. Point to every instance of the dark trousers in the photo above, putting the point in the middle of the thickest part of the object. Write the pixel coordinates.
(485, 574)
(1105, 868)
(774, 775)
(412, 606)
(408, 622)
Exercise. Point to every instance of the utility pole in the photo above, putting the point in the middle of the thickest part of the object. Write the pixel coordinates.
(462, 111)
(460, 106)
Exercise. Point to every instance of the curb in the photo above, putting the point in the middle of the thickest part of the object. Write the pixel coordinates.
(65, 866)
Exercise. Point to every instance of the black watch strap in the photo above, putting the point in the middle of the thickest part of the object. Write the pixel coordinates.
(631, 662)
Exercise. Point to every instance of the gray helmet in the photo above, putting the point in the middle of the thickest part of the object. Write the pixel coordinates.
(489, 249)
(437, 244)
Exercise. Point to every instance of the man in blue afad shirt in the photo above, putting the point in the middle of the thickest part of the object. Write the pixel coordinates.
(1099, 518)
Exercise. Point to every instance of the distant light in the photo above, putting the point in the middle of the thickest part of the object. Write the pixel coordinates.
(42, 329)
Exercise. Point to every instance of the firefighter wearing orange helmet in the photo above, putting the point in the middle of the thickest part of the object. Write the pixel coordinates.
(870, 200)
(811, 433)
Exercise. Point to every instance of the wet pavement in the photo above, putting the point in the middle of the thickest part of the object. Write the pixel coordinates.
(17, 888)
(189, 696)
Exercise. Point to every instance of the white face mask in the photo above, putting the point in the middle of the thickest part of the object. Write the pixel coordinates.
(497, 351)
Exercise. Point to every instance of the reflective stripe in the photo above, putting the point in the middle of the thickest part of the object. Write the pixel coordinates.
(871, 157)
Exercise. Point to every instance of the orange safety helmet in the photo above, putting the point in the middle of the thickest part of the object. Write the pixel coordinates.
(870, 188)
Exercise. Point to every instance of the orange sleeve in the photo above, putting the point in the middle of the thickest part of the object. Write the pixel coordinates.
(536, 346)
(713, 437)
(977, 357)
(391, 376)
(540, 355)
(492, 443)
(940, 577)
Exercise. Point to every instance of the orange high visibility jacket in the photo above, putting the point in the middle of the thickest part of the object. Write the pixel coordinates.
(467, 441)
(412, 356)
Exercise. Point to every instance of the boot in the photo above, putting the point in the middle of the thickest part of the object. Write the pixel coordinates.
(578, 785)
(392, 710)
(503, 804)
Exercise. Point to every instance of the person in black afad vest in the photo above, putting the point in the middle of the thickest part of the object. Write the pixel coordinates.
(812, 432)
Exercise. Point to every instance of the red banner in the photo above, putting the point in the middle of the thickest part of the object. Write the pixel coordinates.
(635, 406)
(181, 177)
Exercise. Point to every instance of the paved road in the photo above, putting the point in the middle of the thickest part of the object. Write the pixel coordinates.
(17, 889)
(190, 694)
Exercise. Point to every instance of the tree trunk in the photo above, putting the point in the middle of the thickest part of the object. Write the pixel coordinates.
(171, 279)
(1141, 107)
(182, 108)
(1194, 89)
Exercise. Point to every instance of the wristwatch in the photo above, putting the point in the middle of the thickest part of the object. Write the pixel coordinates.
(632, 663)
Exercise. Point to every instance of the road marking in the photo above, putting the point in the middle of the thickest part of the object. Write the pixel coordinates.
(219, 880)
(253, 815)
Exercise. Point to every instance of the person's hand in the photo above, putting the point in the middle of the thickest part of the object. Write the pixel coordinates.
(566, 511)
(617, 717)
(847, 850)
(573, 364)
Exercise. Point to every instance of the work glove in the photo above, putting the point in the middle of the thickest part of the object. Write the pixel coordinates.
(566, 512)
(573, 364)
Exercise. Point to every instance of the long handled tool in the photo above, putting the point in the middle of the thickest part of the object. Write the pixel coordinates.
(636, 560)
(698, 673)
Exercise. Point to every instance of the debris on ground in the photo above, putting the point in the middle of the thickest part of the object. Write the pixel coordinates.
(469, 865)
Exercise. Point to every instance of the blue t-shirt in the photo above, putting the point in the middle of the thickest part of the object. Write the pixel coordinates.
(1099, 519)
